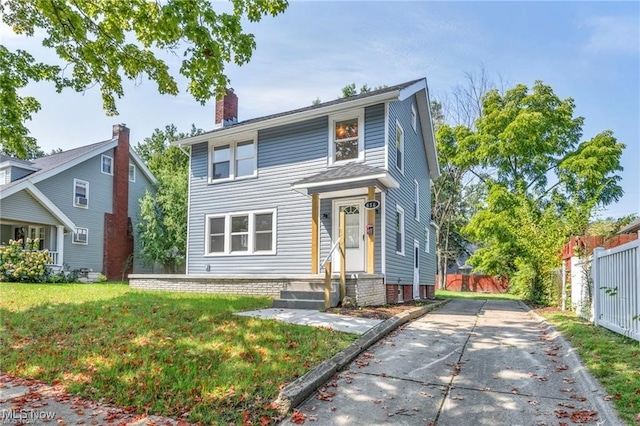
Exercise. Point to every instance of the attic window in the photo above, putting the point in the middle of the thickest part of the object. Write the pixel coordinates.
(107, 165)
(346, 141)
(132, 172)
(414, 117)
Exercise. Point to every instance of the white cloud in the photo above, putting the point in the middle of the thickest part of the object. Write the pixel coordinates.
(614, 34)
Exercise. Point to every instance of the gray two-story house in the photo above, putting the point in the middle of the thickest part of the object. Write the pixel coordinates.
(82, 205)
(265, 195)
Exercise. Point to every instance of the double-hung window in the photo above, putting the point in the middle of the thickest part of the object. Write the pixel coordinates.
(399, 230)
(427, 239)
(106, 165)
(346, 137)
(399, 147)
(132, 172)
(81, 193)
(80, 236)
(241, 233)
(233, 161)
(414, 118)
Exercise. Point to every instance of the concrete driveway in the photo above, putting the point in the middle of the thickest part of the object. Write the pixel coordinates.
(471, 362)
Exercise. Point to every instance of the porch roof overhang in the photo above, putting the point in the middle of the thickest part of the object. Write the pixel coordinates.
(348, 177)
(32, 190)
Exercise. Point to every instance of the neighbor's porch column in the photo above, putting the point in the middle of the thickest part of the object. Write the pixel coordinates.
(60, 245)
(371, 238)
(315, 212)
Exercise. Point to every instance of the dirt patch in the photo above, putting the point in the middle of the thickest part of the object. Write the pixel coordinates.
(381, 312)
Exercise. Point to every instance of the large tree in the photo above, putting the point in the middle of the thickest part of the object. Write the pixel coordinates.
(544, 182)
(101, 42)
(162, 226)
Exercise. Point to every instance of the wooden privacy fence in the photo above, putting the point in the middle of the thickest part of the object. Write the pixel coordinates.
(476, 283)
(616, 288)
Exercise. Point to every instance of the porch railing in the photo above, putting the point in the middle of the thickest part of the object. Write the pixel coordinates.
(54, 257)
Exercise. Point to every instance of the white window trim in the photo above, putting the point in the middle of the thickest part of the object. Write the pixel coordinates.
(232, 160)
(86, 184)
(333, 118)
(251, 244)
(402, 230)
(427, 239)
(102, 164)
(134, 172)
(401, 167)
(3, 177)
(414, 118)
(73, 236)
(416, 201)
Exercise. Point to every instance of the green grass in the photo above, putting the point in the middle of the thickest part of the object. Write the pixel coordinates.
(446, 294)
(612, 358)
(163, 353)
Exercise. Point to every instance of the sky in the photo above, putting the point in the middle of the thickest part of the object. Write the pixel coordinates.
(589, 51)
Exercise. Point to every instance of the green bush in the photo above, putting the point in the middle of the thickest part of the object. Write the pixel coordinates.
(24, 264)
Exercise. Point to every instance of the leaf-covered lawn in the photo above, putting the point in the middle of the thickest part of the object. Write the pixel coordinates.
(447, 294)
(613, 359)
(170, 354)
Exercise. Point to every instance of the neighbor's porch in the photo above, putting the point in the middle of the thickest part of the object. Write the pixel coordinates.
(50, 237)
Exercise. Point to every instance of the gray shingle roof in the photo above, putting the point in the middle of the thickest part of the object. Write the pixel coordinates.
(4, 158)
(351, 170)
(52, 161)
(318, 106)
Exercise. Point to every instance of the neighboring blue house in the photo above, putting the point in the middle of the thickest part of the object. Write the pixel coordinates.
(265, 194)
(82, 204)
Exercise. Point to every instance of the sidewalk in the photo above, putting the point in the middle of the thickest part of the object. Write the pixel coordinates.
(469, 363)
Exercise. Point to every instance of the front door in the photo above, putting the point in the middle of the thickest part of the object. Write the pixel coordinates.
(354, 234)
(416, 269)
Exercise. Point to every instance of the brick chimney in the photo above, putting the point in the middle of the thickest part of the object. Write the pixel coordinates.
(118, 231)
(227, 109)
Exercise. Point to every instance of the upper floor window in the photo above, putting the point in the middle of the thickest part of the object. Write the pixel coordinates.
(80, 193)
(346, 141)
(399, 147)
(233, 161)
(414, 117)
(3, 177)
(107, 165)
(241, 233)
(132, 172)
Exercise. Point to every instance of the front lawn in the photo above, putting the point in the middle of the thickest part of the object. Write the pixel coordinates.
(171, 354)
(446, 294)
(613, 359)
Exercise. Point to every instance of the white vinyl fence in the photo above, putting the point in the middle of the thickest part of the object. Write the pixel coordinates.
(616, 288)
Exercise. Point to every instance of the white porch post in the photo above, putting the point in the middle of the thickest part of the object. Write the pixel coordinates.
(60, 243)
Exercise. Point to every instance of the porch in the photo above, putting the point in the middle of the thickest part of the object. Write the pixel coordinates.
(50, 237)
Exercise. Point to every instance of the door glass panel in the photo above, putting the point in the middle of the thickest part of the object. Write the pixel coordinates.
(352, 226)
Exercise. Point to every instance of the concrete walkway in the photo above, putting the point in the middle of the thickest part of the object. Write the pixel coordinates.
(316, 319)
(470, 362)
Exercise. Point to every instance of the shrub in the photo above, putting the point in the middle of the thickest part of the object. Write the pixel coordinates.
(24, 264)
(101, 278)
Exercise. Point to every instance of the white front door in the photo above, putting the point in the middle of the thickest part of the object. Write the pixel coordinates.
(354, 234)
(416, 269)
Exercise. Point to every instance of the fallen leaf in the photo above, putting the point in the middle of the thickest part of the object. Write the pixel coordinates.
(514, 390)
(298, 417)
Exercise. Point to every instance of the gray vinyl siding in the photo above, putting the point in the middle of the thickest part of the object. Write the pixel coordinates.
(374, 135)
(286, 154)
(136, 192)
(15, 173)
(59, 189)
(415, 168)
(23, 208)
(6, 234)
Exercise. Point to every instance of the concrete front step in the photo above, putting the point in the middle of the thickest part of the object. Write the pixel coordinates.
(299, 304)
(309, 286)
(306, 295)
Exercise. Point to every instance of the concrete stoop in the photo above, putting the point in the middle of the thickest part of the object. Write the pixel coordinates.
(306, 295)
